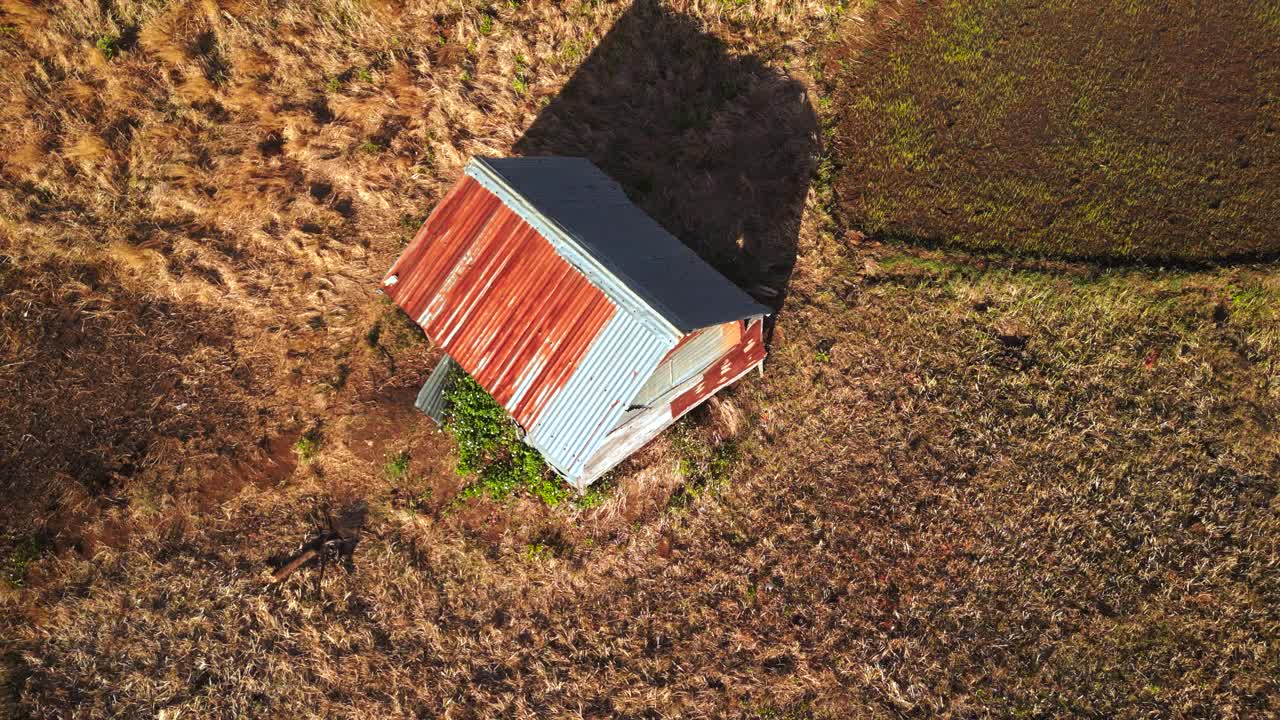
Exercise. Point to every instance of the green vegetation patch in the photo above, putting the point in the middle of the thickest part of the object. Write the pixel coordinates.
(19, 553)
(108, 45)
(397, 467)
(308, 445)
(1118, 129)
(705, 466)
(490, 449)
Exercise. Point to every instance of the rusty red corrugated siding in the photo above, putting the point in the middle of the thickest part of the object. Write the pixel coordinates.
(748, 352)
(495, 295)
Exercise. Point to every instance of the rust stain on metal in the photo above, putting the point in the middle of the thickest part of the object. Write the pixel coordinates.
(748, 352)
(495, 295)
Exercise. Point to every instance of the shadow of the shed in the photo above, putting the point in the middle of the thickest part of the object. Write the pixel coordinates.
(718, 148)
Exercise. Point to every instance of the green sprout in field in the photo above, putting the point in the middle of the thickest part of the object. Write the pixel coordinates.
(308, 445)
(397, 466)
(13, 564)
(538, 552)
(520, 83)
(108, 45)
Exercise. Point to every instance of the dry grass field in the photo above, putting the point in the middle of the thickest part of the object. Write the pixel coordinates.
(967, 485)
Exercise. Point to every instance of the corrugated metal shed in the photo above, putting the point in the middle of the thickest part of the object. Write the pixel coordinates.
(541, 280)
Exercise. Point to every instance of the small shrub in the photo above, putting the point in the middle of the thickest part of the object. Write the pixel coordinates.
(520, 83)
(572, 51)
(411, 223)
(108, 45)
(308, 445)
(422, 501)
(704, 467)
(489, 448)
(538, 552)
(397, 467)
(593, 497)
(13, 564)
(486, 24)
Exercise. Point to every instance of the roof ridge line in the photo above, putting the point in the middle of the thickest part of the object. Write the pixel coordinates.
(581, 259)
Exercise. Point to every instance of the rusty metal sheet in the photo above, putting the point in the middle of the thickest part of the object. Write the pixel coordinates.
(497, 297)
(745, 355)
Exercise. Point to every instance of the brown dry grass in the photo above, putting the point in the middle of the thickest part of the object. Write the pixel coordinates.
(965, 487)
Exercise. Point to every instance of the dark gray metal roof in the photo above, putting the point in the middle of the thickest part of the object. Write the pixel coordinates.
(591, 208)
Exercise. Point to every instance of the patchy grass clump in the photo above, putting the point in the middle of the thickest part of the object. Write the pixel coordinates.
(308, 445)
(18, 555)
(1115, 129)
(397, 466)
(490, 450)
(704, 466)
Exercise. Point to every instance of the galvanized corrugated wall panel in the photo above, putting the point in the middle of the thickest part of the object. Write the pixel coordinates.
(431, 396)
(595, 397)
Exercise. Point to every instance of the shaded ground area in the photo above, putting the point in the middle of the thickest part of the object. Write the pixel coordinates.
(718, 148)
(102, 386)
(1118, 129)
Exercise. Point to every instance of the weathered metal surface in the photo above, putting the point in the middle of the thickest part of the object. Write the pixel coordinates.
(497, 298)
(431, 396)
(745, 355)
(697, 355)
(595, 397)
(642, 425)
(626, 253)
(694, 354)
